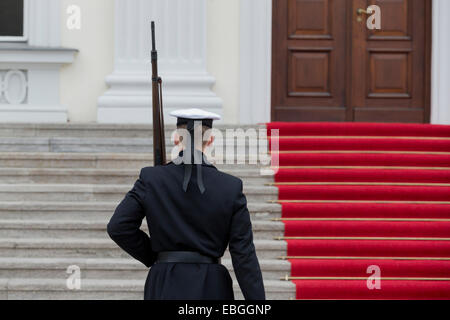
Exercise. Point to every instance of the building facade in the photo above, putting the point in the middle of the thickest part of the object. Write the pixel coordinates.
(252, 61)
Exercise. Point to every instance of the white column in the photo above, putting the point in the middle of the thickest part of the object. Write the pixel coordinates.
(44, 21)
(255, 61)
(440, 82)
(181, 45)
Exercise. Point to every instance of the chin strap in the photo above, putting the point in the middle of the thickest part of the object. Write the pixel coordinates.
(200, 184)
(188, 170)
(188, 174)
(190, 158)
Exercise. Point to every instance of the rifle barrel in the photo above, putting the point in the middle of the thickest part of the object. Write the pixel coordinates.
(159, 148)
(153, 36)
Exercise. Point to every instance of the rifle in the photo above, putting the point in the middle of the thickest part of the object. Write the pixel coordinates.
(159, 143)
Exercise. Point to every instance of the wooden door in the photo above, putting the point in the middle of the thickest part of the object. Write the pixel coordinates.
(328, 66)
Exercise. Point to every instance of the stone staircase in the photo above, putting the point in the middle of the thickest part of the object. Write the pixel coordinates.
(59, 185)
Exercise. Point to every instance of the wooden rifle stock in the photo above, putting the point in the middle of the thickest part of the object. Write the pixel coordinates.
(159, 143)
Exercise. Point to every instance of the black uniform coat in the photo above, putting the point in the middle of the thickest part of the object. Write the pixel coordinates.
(189, 221)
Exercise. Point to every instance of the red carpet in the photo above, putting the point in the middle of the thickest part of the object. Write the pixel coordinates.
(355, 195)
(364, 175)
(367, 228)
(365, 159)
(357, 289)
(357, 268)
(358, 129)
(362, 144)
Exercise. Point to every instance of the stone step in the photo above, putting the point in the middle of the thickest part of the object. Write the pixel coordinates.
(91, 192)
(102, 248)
(56, 268)
(82, 130)
(92, 160)
(102, 176)
(47, 210)
(96, 130)
(75, 160)
(96, 145)
(95, 289)
(62, 229)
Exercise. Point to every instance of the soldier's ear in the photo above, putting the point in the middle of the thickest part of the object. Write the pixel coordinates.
(176, 139)
(210, 140)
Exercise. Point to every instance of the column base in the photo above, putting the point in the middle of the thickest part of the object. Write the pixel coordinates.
(129, 98)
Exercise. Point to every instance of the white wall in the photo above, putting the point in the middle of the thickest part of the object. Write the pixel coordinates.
(84, 81)
(223, 54)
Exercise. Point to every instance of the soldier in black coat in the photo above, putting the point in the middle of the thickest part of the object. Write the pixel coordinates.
(193, 212)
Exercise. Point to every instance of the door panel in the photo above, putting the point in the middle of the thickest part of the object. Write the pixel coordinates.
(327, 66)
(308, 50)
(390, 64)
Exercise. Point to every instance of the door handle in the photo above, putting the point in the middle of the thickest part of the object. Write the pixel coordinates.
(361, 11)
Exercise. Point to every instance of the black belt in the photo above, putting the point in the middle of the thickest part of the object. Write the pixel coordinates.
(184, 257)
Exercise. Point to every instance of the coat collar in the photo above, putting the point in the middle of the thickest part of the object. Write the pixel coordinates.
(201, 155)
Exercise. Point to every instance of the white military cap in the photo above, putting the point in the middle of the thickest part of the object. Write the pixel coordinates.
(184, 115)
